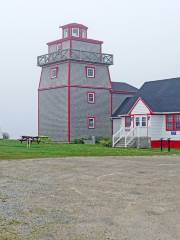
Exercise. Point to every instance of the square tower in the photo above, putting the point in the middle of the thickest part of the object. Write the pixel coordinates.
(74, 95)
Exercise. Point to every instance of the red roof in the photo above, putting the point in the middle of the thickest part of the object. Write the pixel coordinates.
(74, 25)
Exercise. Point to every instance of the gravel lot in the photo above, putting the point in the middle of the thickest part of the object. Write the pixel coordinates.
(108, 198)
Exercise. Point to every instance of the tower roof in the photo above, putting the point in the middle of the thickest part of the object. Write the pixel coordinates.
(74, 25)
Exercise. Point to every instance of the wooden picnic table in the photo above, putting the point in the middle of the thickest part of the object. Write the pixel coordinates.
(30, 139)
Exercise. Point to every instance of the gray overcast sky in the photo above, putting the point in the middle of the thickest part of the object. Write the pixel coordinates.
(143, 35)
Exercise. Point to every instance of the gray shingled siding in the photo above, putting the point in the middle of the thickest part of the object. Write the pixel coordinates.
(117, 100)
(80, 109)
(85, 46)
(46, 80)
(66, 45)
(78, 75)
(53, 114)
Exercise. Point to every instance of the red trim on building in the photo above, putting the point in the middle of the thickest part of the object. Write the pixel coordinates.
(122, 92)
(91, 117)
(69, 103)
(157, 144)
(94, 97)
(88, 40)
(70, 25)
(173, 122)
(75, 86)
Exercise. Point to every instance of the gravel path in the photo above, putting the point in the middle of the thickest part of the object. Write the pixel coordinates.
(107, 198)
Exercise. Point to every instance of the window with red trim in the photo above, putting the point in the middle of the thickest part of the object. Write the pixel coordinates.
(91, 97)
(54, 72)
(173, 122)
(91, 122)
(90, 72)
(127, 121)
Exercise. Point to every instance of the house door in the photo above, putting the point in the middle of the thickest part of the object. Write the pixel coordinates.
(141, 122)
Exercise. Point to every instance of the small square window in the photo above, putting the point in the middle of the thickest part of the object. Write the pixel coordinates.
(144, 121)
(90, 72)
(75, 32)
(91, 97)
(54, 72)
(137, 121)
(91, 122)
(65, 33)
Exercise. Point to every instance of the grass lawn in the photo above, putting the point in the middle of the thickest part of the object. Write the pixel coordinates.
(12, 149)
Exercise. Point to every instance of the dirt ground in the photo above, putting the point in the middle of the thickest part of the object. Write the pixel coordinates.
(108, 198)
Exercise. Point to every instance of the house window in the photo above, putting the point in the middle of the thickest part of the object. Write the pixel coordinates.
(90, 72)
(54, 72)
(144, 122)
(173, 122)
(75, 32)
(128, 121)
(65, 33)
(137, 121)
(91, 97)
(91, 122)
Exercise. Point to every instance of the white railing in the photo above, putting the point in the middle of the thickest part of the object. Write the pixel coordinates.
(73, 54)
(128, 136)
(131, 136)
(117, 136)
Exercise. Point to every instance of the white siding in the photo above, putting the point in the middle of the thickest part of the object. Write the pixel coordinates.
(140, 108)
(157, 129)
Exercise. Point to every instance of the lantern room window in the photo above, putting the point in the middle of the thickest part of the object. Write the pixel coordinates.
(90, 72)
(65, 33)
(75, 32)
(84, 33)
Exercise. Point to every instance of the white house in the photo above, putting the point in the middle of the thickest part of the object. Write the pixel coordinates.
(153, 114)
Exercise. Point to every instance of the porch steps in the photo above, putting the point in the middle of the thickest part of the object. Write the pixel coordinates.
(121, 143)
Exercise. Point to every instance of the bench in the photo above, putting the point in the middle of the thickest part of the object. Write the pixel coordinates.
(29, 139)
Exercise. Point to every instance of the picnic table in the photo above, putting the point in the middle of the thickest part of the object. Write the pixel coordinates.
(30, 139)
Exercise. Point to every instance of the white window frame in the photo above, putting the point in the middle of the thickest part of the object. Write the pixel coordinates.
(87, 72)
(91, 95)
(93, 121)
(54, 72)
(72, 34)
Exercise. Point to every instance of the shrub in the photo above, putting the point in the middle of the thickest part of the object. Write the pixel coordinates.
(79, 141)
(106, 142)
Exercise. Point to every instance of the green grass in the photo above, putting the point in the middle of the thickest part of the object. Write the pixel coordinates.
(12, 149)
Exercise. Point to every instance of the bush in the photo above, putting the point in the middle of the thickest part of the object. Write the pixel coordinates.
(106, 142)
(5, 135)
(79, 141)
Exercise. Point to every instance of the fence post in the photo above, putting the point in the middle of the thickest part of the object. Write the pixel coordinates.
(161, 140)
(169, 144)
